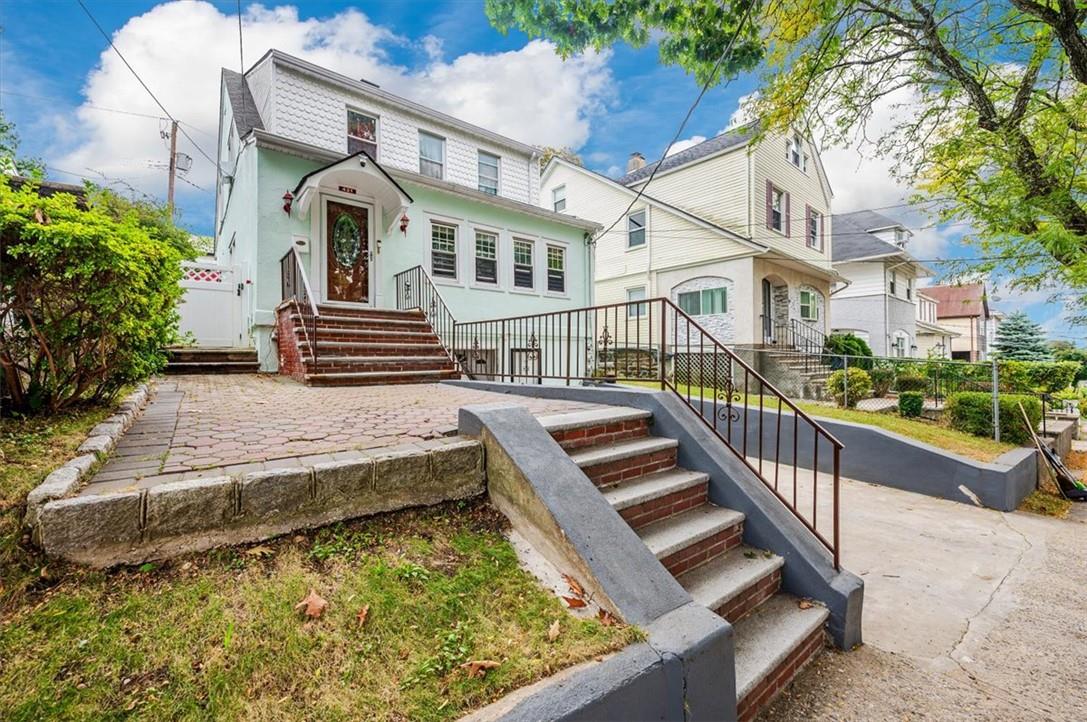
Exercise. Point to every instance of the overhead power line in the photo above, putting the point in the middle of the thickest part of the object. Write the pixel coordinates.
(690, 111)
(136, 75)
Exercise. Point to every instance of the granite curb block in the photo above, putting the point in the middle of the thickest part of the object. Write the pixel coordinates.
(194, 515)
(98, 445)
(683, 671)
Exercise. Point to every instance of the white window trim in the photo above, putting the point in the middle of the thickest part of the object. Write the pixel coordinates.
(419, 151)
(774, 188)
(645, 229)
(555, 190)
(472, 280)
(645, 301)
(700, 291)
(368, 114)
(535, 241)
(498, 171)
(459, 246)
(813, 304)
(550, 243)
(817, 219)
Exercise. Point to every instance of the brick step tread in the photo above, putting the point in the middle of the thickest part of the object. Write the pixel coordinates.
(652, 486)
(606, 453)
(324, 309)
(429, 335)
(353, 322)
(377, 374)
(591, 417)
(676, 533)
(766, 637)
(717, 582)
(369, 360)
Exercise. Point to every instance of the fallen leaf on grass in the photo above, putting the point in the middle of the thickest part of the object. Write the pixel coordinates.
(259, 551)
(479, 667)
(606, 618)
(313, 606)
(553, 631)
(574, 602)
(575, 588)
(805, 604)
(362, 614)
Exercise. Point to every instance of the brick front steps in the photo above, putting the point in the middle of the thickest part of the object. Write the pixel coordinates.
(360, 347)
(700, 543)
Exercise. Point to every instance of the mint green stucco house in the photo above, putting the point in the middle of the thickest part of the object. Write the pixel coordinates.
(364, 184)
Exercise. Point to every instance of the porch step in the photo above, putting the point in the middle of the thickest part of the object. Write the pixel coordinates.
(773, 644)
(729, 584)
(325, 309)
(338, 321)
(608, 464)
(652, 486)
(197, 360)
(592, 427)
(687, 540)
(374, 378)
(372, 334)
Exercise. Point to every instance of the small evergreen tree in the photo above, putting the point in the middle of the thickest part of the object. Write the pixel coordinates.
(1020, 339)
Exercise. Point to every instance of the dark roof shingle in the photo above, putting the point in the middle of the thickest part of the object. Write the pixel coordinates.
(852, 239)
(728, 139)
(242, 105)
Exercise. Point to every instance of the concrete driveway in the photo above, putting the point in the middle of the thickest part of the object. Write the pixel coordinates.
(968, 614)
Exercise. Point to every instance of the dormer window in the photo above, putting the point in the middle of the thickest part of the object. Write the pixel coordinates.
(361, 133)
(794, 152)
(558, 199)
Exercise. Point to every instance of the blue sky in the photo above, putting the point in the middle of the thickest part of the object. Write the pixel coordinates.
(54, 68)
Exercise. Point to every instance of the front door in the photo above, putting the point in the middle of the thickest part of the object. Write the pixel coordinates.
(347, 253)
(767, 312)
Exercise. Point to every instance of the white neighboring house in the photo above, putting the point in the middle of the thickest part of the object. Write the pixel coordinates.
(878, 301)
(735, 233)
(933, 340)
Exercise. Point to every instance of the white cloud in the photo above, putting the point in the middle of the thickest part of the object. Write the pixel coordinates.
(179, 47)
(684, 144)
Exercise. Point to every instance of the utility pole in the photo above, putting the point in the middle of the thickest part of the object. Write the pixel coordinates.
(173, 168)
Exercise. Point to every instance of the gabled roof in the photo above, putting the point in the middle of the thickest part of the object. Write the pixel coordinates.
(853, 237)
(731, 138)
(242, 105)
(650, 200)
(959, 301)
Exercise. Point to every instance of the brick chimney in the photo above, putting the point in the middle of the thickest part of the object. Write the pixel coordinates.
(636, 161)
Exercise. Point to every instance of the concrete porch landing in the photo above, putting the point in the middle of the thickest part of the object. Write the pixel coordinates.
(208, 425)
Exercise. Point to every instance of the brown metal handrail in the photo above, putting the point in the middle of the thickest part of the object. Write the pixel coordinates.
(655, 342)
(295, 287)
(415, 289)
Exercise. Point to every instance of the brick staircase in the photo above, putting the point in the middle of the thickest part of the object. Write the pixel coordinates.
(196, 360)
(361, 347)
(700, 543)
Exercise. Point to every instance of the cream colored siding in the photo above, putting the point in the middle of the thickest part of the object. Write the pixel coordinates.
(867, 279)
(716, 189)
(804, 189)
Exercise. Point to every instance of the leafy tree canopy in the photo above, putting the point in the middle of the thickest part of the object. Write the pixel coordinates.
(10, 160)
(992, 98)
(567, 154)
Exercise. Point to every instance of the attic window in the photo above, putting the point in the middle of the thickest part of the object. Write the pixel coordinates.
(361, 133)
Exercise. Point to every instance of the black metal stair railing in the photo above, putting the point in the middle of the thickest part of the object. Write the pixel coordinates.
(416, 290)
(656, 343)
(295, 288)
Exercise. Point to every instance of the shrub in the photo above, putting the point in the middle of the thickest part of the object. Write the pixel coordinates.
(88, 296)
(911, 403)
(860, 386)
(911, 382)
(882, 378)
(1036, 376)
(846, 344)
(972, 412)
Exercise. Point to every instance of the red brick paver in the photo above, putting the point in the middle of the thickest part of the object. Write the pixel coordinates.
(197, 423)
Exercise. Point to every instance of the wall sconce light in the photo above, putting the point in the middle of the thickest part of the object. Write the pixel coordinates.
(404, 221)
(288, 199)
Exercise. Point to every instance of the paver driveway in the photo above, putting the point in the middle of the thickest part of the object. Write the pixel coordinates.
(198, 425)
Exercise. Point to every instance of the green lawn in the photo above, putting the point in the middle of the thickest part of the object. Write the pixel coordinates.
(216, 635)
(931, 432)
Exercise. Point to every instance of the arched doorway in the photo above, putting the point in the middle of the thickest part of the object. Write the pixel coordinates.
(775, 310)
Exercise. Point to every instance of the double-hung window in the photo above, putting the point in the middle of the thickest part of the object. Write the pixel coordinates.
(909, 289)
(488, 173)
(809, 308)
(558, 199)
(486, 257)
(636, 229)
(431, 155)
(894, 283)
(705, 302)
(777, 209)
(794, 151)
(361, 133)
(815, 229)
(443, 250)
(556, 269)
(522, 264)
(636, 309)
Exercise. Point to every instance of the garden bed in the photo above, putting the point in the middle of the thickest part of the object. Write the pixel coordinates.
(217, 634)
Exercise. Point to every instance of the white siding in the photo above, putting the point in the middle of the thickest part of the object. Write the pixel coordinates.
(867, 279)
(313, 111)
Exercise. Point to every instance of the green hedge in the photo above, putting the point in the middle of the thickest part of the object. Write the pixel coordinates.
(911, 382)
(1036, 376)
(860, 386)
(972, 412)
(911, 403)
(882, 379)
